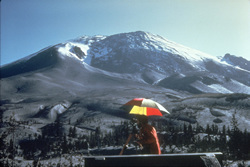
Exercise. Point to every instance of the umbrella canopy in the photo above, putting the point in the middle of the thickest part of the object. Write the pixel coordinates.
(142, 106)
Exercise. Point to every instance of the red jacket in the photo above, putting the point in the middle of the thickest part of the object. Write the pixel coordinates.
(148, 138)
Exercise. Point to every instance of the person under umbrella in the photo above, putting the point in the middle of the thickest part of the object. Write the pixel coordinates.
(148, 136)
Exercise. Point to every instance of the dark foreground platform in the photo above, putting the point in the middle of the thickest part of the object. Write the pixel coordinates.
(166, 160)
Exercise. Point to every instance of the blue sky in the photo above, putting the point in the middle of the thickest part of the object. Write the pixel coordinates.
(215, 27)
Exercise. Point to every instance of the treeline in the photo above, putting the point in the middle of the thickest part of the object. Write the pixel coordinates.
(234, 143)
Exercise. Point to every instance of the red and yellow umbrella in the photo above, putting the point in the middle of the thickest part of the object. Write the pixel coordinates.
(142, 106)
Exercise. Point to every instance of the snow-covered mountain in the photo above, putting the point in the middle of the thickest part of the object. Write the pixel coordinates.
(151, 58)
(136, 64)
(154, 58)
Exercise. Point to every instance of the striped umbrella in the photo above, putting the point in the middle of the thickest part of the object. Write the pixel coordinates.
(142, 106)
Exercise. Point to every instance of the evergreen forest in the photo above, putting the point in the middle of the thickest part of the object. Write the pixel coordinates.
(185, 138)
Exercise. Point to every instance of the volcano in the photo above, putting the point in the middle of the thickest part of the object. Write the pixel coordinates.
(86, 80)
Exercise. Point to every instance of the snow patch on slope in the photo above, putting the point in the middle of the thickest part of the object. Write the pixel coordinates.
(192, 55)
(237, 87)
(84, 43)
(67, 49)
(213, 88)
(59, 109)
(219, 88)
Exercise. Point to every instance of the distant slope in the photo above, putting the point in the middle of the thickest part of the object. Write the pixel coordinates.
(237, 61)
(42, 59)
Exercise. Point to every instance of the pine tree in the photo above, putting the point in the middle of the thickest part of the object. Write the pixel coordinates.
(190, 129)
(58, 127)
(246, 145)
(1, 117)
(235, 139)
(208, 130)
(97, 136)
(234, 123)
(64, 144)
(197, 129)
(214, 129)
(184, 128)
(223, 139)
(74, 132)
(70, 132)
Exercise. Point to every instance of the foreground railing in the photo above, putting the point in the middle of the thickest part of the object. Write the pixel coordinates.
(187, 159)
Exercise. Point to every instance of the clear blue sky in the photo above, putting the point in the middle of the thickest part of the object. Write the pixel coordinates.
(215, 27)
